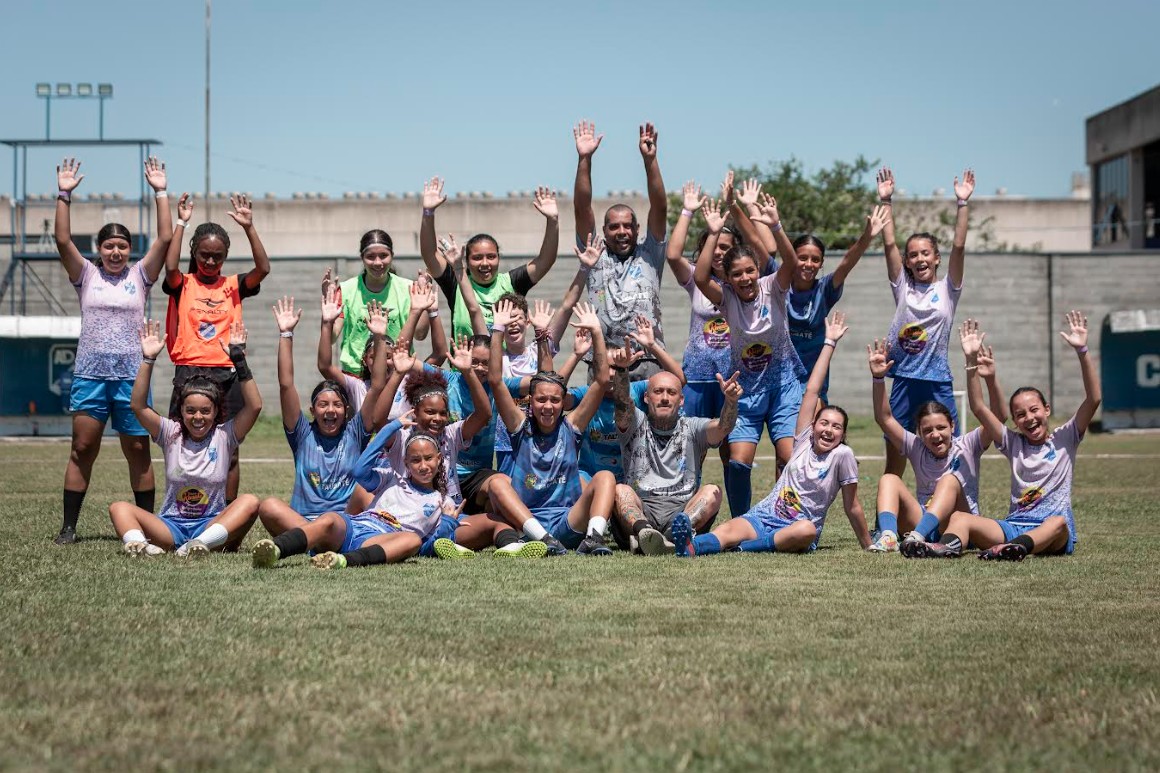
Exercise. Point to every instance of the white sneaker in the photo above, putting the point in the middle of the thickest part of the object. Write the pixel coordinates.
(154, 550)
(135, 549)
(887, 542)
(194, 549)
(449, 551)
(653, 543)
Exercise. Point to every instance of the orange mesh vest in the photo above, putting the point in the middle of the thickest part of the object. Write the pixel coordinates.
(200, 318)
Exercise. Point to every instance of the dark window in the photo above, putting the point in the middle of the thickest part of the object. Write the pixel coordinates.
(1110, 215)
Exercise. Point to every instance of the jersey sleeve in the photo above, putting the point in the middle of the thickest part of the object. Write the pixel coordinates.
(247, 292)
(831, 293)
(294, 437)
(637, 390)
(910, 442)
(653, 251)
(1067, 435)
(513, 385)
(165, 432)
(174, 292)
(521, 279)
(232, 441)
(449, 285)
(846, 467)
(973, 443)
(1007, 441)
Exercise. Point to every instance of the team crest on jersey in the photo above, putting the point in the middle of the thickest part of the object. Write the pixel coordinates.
(1030, 497)
(934, 298)
(1050, 456)
(192, 502)
(822, 473)
(315, 479)
(912, 338)
(131, 288)
(530, 480)
(956, 462)
(429, 510)
(212, 455)
(716, 332)
(755, 357)
(206, 331)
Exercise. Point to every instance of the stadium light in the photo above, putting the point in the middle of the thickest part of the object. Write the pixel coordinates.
(84, 89)
(66, 91)
(105, 89)
(43, 89)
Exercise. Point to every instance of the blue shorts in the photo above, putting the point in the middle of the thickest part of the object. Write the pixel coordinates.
(907, 394)
(444, 530)
(775, 408)
(1013, 530)
(100, 399)
(360, 529)
(703, 400)
(767, 527)
(555, 521)
(184, 529)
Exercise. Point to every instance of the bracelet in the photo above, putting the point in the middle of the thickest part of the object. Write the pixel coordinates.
(182, 223)
(161, 194)
(884, 201)
(584, 269)
(830, 342)
(498, 329)
(776, 227)
(64, 195)
(433, 314)
(878, 380)
(428, 212)
(1082, 350)
(687, 213)
(543, 335)
(149, 360)
(971, 367)
(962, 202)
(286, 334)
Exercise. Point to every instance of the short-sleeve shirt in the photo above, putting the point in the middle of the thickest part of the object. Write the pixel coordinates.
(1041, 475)
(600, 449)
(544, 467)
(962, 461)
(324, 466)
(479, 455)
(621, 288)
(396, 299)
(403, 506)
(759, 338)
(810, 482)
(707, 352)
(517, 280)
(921, 330)
(199, 317)
(451, 444)
(195, 470)
(112, 307)
(664, 464)
(807, 320)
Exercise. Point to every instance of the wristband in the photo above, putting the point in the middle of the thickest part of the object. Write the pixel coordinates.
(971, 367)
(830, 342)
(498, 329)
(776, 227)
(182, 223)
(884, 201)
(428, 212)
(149, 360)
(962, 202)
(585, 269)
(161, 194)
(687, 213)
(878, 379)
(1082, 350)
(433, 314)
(286, 334)
(543, 335)
(64, 195)
(238, 358)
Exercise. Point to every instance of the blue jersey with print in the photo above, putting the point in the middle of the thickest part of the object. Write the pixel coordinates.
(807, 312)
(601, 447)
(478, 455)
(759, 338)
(707, 352)
(1041, 475)
(324, 466)
(545, 467)
(921, 330)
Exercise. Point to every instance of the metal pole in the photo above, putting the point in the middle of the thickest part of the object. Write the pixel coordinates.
(208, 15)
(101, 125)
(48, 117)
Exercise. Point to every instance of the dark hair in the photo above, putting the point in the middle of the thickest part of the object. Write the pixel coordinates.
(810, 239)
(439, 481)
(200, 385)
(841, 412)
(373, 237)
(205, 231)
(931, 407)
(515, 299)
(621, 208)
(113, 231)
(549, 377)
(738, 240)
(329, 385)
(737, 252)
(476, 240)
(480, 340)
(1023, 390)
(426, 381)
(369, 349)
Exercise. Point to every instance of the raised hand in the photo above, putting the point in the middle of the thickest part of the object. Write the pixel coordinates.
(285, 316)
(1077, 333)
(422, 296)
(750, 189)
(68, 175)
(731, 388)
(727, 189)
(243, 213)
(767, 211)
(582, 344)
(691, 196)
(237, 337)
(327, 278)
(433, 193)
(461, 354)
(503, 314)
(836, 326)
(877, 353)
(986, 362)
(587, 140)
(624, 358)
(590, 255)
(545, 203)
(407, 419)
(184, 207)
(451, 252)
(648, 141)
(878, 219)
(402, 358)
(155, 173)
(377, 318)
(885, 183)
(971, 338)
(331, 305)
(714, 213)
(643, 336)
(152, 339)
(964, 189)
(541, 316)
(586, 317)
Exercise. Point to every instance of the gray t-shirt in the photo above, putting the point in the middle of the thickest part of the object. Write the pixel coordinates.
(622, 288)
(664, 464)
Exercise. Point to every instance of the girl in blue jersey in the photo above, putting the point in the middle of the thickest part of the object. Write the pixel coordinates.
(924, 314)
(544, 491)
(760, 349)
(407, 505)
(326, 448)
(790, 519)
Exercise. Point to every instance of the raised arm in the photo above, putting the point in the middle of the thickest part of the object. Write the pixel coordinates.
(855, 514)
(645, 338)
(452, 255)
(963, 191)
(744, 207)
(703, 269)
(719, 428)
(583, 413)
(875, 222)
(68, 177)
(1076, 337)
(691, 201)
(581, 347)
(587, 141)
(588, 258)
(155, 258)
(247, 415)
(403, 362)
(481, 404)
(173, 252)
(880, 365)
(331, 310)
(625, 410)
(365, 472)
(658, 200)
(424, 301)
(286, 318)
(545, 204)
(835, 329)
(510, 413)
(769, 217)
(432, 199)
(152, 343)
(243, 215)
(377, 325)
(885, 181)
(541, 317)
(972, 341)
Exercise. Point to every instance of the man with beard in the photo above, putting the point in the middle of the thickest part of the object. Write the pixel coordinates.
(626, 281)
(662, 453)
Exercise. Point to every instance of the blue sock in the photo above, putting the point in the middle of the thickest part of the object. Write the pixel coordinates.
(887, 520)
(760, 545)
(738, 487)
(927, 527)
(704, 544)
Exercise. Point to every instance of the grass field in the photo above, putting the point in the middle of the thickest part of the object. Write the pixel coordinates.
(835, 660)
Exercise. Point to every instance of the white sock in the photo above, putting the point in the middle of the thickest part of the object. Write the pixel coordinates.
(134, 535)
(534, 529)
(596, 525)
(214, 536)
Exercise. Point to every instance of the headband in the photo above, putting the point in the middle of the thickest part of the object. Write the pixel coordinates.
(421, 436)
(436, 391)
(549, 377)
(376, 243)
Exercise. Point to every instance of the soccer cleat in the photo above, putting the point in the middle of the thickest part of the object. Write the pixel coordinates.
(329, 560)
(154, 550)
(194, 549)
(265, 554)
(912, 544)
(555, 547)
(594, 545)
(683, 536)
(449, 551)
(950, 549)
(1008, 551)
(653, 543)
(534, 549)
(135, 549)
(887, 542)
(67, 536)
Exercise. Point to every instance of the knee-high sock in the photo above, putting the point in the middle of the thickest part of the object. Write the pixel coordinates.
(72, 508)
(887, 521)
(291, 543)
(372, 554)
(739, 487)
(764, 544)
(928, 526)
(214, 536)
(146, 500)
(706, 544)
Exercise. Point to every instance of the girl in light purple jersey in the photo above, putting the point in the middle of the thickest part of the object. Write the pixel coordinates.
(1040, 518)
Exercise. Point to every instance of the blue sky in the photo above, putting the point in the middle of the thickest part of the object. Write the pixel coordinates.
(377, 96)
